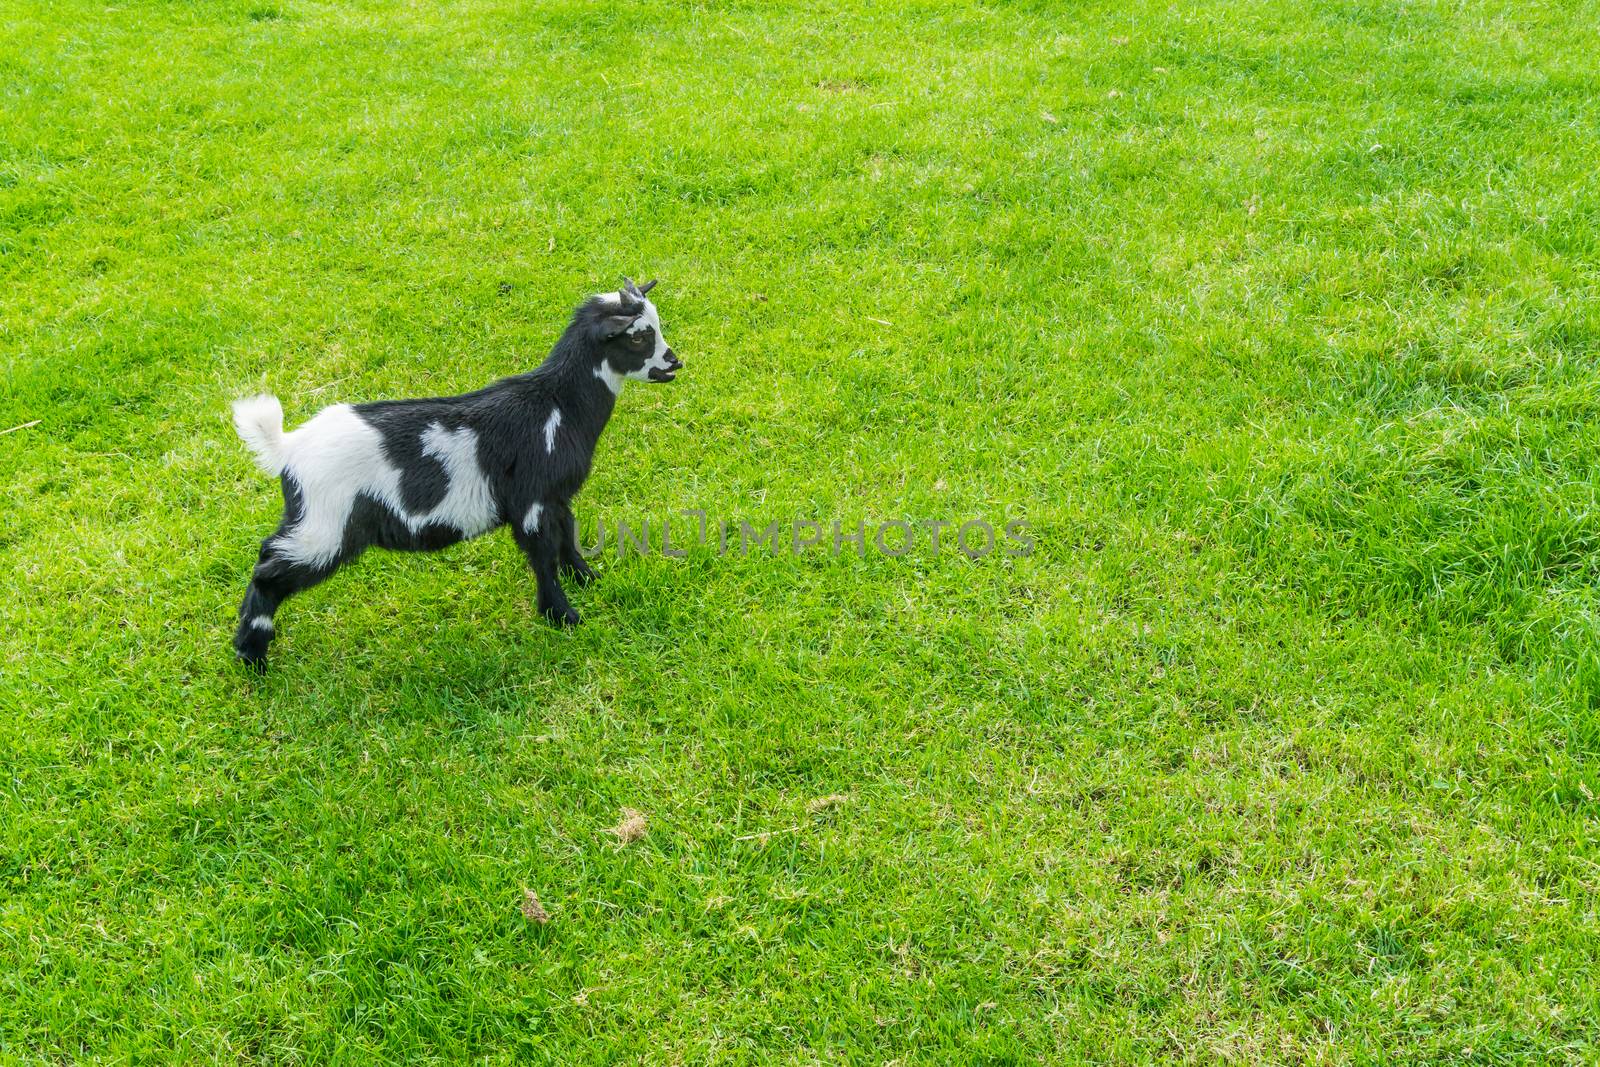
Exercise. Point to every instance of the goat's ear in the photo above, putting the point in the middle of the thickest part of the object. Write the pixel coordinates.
(613, 325)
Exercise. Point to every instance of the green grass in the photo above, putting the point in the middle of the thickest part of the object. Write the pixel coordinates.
(1277, 321)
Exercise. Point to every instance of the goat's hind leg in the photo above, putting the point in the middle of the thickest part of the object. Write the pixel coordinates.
(275, 579)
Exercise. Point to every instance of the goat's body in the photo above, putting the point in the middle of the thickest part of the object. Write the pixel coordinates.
(419, 475)
(418, 483)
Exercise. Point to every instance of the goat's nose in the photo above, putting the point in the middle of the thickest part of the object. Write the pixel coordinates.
(672, 358)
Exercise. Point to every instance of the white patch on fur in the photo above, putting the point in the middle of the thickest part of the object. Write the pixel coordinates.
(468, 504)
(612, 379)
(658, 359)
(262, 622)
(331, 458)
(530, 521)
(550, 426)
(337, 456)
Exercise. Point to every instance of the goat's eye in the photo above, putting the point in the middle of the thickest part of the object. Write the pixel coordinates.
(636, 340)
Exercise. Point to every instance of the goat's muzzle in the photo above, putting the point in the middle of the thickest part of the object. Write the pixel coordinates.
(674, 364)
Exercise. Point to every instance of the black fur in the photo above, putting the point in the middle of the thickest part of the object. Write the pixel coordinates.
(508, 419)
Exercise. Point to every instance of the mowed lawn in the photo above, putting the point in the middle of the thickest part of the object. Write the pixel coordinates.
(1277, 322)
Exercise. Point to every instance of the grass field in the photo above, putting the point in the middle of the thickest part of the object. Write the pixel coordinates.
(1277, 322)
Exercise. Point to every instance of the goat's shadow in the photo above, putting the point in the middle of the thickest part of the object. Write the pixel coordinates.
(470, 658)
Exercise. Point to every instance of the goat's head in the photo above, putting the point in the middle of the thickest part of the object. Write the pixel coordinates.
(631, 344)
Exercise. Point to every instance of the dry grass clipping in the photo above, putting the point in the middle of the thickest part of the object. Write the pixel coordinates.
(532, 910)
(631, 828)
(821, 804)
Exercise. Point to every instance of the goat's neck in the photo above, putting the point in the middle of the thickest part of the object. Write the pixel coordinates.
(586, 402)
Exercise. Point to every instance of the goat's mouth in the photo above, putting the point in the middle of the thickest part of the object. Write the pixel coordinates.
(659, 374)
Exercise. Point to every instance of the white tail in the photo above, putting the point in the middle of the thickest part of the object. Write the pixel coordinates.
(259, 420)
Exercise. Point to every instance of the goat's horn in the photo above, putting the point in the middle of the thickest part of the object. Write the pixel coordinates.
(628, 286)
(649, 285)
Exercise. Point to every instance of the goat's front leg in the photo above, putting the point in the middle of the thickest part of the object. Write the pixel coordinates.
(540, 542)
(569, 557)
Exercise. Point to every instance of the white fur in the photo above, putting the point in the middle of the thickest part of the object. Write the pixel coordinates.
(262, 622)
(468, 504)
(337, 456)
(259, 421)
(550, 426)
(530, 521)
(612, 379)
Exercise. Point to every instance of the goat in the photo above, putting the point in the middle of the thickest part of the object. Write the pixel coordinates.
(417, 475)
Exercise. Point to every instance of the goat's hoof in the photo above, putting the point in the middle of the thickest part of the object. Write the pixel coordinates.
(583, 574)
(253, 660)
(561, 617)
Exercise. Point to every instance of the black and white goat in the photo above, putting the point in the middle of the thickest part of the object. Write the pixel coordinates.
(418, 475)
